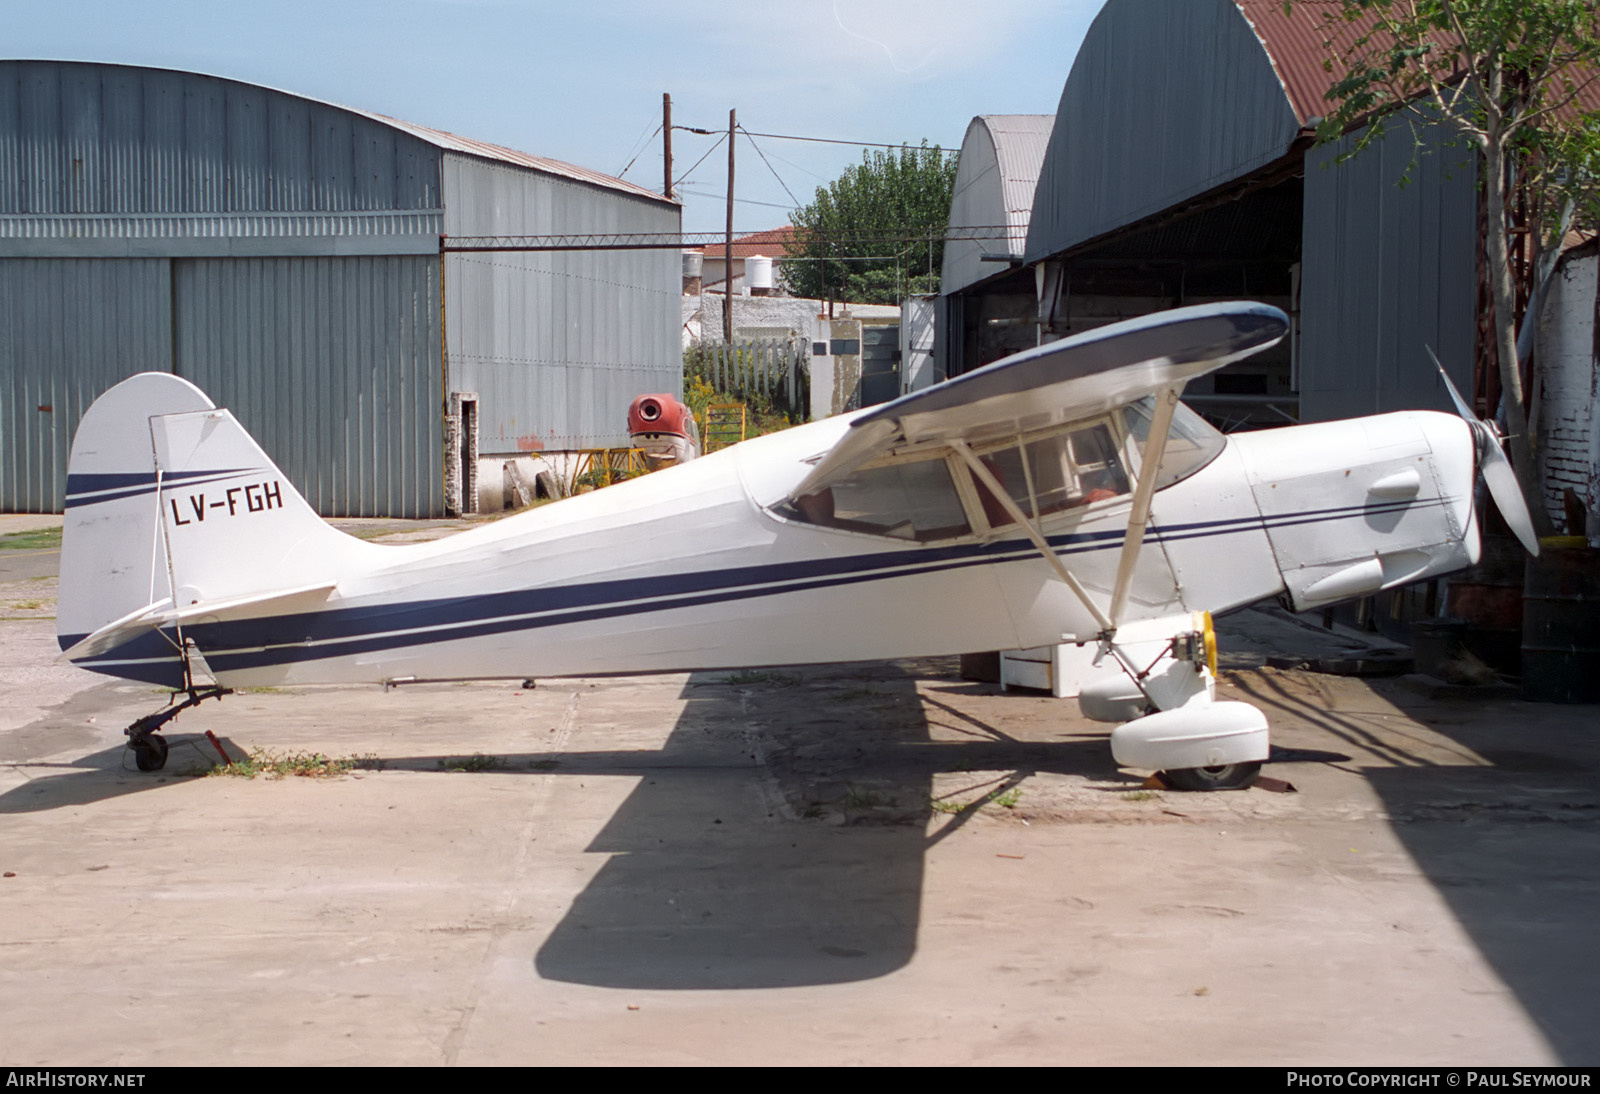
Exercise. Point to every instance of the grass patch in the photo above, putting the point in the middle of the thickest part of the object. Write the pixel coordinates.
(1005, 799)
(40, 539)
(304, 765)
(763, 676)
(475, 762)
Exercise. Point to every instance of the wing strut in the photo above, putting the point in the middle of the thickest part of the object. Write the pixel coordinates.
(1003, 496)
(1139, 516)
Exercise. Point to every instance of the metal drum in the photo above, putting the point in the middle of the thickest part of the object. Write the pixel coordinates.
(1561, 624)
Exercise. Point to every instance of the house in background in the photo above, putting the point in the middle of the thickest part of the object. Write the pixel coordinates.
(773, 245)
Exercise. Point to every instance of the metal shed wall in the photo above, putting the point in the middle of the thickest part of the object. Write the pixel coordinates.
(1386, 272)
(557, 343)
(333, 365)
(1166, 100)
(995, 179)
(69, 330)
(280, 252)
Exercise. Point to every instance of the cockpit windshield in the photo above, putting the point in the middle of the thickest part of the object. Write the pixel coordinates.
(1191, 444)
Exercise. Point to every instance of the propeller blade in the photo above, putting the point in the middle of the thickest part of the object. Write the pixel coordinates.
(1495, 469)
(1507, 494)
(1455, 396)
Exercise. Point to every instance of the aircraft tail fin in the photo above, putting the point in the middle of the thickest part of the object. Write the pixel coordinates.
(172, 505)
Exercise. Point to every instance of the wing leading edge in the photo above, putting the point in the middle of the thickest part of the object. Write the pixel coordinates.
(1077, 377)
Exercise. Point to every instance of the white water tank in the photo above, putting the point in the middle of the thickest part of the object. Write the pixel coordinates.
(758, 275)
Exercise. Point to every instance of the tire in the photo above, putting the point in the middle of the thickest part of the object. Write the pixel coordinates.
(1225, 777)
(150, 754)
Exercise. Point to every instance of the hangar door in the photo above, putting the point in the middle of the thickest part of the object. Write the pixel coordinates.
(332, 363)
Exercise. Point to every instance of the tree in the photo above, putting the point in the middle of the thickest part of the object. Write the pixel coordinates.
(1514, 79)
(876, 233)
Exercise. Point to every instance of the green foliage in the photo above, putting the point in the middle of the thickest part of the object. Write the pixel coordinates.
(764, 412)
(876, 233)
(1508, 76)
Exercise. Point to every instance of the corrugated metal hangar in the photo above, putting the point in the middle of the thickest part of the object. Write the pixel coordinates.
(289, 256)
(1180, 168)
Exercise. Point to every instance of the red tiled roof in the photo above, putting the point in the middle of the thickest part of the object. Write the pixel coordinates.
(772, 244)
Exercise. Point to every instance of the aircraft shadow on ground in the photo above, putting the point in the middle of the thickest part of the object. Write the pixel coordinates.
(1510, 847)
(783, 843)
(776, 839)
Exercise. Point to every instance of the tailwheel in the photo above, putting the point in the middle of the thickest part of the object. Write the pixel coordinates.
(149, 752)
(1221, 777)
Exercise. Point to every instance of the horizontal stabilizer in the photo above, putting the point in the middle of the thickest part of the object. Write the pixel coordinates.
(163, 613)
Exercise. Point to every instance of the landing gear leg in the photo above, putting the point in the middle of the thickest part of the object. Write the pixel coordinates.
(149, 747)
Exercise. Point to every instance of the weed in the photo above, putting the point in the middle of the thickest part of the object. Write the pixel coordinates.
(28, 605)
(946, 805)
(1140, 796)
(475, 762)
(859, 693)
(544, 765)
(856, 797)
(308, 765)
(1006, 799)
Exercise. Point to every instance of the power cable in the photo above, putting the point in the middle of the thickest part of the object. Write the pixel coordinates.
(771, 168)
(681, 178)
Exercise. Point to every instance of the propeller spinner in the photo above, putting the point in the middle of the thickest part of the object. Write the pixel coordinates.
(1495, 468)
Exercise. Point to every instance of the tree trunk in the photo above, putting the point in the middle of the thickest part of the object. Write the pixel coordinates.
(1511, 393)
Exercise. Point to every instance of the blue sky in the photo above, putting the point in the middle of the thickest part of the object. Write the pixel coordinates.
(582, 82)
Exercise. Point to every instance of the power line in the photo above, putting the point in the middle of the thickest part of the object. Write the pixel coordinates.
(649, 241)
(636, 155)
(740, 201)
(819, 140)
(768, 162)
(698, 162)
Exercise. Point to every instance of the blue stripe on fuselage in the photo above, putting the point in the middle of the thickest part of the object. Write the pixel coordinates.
(306, 636)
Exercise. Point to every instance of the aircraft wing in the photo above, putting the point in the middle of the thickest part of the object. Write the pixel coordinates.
(1074, 378)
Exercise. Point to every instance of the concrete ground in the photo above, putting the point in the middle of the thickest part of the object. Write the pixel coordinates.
(843, 864)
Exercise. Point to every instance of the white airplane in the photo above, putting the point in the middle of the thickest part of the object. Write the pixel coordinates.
(1062, 494)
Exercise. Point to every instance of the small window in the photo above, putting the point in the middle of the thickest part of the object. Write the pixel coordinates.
(1057, 473)
(913, 501)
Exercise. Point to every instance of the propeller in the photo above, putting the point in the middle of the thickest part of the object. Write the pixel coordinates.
(1495, 468)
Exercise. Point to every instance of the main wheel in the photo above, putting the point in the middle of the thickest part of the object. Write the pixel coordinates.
(1222, 777)
(150, 752)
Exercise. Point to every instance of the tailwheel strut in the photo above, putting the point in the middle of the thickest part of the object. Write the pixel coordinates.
(149, 747)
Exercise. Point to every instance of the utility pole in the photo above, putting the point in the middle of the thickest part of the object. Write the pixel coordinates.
(727, 245)
(666, 143)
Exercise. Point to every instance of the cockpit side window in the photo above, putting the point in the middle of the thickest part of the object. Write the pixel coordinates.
(1056, 473)
(912, 500)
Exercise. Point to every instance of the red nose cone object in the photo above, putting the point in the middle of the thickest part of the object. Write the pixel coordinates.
(658, 414)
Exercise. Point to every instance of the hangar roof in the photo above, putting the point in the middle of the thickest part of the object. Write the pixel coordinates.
(995, 179)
